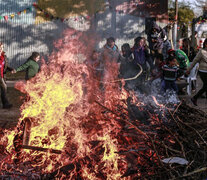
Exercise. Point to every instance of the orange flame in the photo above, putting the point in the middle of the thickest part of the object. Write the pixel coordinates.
(56, 106)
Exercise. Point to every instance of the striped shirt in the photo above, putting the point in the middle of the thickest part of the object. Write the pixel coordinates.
(170, 73)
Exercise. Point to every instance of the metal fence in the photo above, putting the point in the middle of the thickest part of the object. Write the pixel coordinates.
(22, 36)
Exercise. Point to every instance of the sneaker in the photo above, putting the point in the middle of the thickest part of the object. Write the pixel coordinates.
(7, 106)
(194, 101)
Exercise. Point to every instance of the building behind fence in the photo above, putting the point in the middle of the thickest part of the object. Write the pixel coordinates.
(22, 34)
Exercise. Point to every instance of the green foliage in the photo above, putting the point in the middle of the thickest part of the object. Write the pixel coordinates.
(185, 14)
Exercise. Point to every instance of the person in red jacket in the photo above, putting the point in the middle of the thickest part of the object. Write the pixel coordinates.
(3, 68)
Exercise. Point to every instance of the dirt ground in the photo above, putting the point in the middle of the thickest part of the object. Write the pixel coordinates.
(9, 117)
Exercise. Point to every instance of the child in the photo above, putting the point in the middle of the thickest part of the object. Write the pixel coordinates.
(170, 74)
(31, 66)
(156, 74)
(182, 59)
(127, 52)
(157, 70)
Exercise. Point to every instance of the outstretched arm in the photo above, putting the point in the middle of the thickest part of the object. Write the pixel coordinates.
(23, 66)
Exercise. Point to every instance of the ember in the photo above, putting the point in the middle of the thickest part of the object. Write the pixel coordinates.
(61, 136)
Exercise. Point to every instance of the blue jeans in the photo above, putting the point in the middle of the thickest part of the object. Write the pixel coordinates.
(171, 85)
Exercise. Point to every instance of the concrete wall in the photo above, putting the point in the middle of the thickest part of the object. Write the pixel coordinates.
(22, 36)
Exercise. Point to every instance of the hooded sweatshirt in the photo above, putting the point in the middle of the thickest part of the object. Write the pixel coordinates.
(158, 36)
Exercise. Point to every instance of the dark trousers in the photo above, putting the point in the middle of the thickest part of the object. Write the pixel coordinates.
(168, 85)
(203, 76)
(3, 87)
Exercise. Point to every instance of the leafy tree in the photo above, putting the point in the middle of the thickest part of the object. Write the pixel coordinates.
(185, 14)
(69, 8)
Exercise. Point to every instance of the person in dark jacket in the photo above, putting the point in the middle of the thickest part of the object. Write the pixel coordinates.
(110, 57)
(31, 66)
(3, 68)
(141, 54)
(156, 38)
(128, 68)
(189, 51)
(142, 58)
(127, 52)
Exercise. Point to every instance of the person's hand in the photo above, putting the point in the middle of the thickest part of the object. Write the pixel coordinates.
(13, 71)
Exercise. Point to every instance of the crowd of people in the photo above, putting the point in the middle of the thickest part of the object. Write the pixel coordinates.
(154, 57)
(157, 60)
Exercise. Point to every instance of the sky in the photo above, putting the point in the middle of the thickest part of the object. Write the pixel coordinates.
(192, 2)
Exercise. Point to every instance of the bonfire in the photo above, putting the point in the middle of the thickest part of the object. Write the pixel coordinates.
(120, 135)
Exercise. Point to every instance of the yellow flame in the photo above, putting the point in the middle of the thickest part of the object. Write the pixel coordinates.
(111, 157)
(48, 105)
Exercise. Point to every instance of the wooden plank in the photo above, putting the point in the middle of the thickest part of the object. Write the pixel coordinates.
(41, 149)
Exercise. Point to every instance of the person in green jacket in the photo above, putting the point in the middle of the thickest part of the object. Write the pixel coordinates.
(181, 58)
(31, 66)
